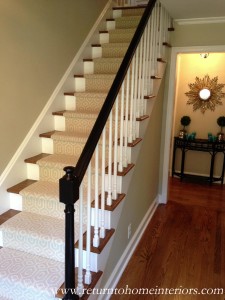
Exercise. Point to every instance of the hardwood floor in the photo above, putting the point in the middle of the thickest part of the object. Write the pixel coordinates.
(183, 247)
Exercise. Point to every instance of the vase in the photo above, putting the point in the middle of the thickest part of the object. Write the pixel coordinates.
(220, 136)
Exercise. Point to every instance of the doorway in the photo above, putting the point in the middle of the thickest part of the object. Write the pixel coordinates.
(171, 117)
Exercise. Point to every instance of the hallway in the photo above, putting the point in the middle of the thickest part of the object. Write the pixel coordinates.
(182, 250)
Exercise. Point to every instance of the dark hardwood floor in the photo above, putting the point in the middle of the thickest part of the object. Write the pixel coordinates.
(182, 248)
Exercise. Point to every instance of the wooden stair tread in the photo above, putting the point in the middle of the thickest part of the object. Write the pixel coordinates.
(129, 7)
(7, 215)
(124, 172)
(142, 118)
(69, 94)
(95, 279)
(20, 186)
(48, 134)
(161, 60)
(171, 29)
(167, 44)
(134, 143)
(78, 76)
(34, 159)
(147, 97)
(155, 77)
(115, 202)
(103, 242)
(59, 113)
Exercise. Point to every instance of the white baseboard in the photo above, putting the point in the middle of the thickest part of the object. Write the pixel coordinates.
(122, 263)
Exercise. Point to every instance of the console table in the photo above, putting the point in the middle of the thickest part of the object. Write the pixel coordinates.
(198, 145)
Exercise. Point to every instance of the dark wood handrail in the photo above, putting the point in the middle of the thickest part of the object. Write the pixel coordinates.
(102, 118)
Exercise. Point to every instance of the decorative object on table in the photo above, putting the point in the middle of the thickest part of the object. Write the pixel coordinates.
(191, 136)
(211, 137)
(185, 121)
(205, 93)
(221, 123)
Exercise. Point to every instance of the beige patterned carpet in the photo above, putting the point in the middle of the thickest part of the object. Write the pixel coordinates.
(31, 260)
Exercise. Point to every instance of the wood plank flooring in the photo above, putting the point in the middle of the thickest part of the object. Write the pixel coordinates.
(182, 248)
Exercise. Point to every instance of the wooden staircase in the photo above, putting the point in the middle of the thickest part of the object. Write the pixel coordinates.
(98, 74)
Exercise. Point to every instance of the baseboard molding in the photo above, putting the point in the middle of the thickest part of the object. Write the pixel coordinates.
(122, 263)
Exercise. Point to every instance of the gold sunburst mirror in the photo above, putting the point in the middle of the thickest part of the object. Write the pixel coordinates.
(205, 93)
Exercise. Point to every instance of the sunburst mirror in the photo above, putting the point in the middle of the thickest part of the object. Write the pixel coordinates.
(205, 93)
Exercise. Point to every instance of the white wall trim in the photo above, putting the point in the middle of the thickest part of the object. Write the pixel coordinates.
(123, 261)
(170, 107)
(194, 21)
(57, 90)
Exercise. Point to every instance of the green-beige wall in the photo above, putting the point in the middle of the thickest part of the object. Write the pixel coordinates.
(39, 40)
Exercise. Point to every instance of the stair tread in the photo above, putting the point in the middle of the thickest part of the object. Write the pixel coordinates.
(20, 276)
(149, 96)
(115, 202)
(28, 222)
(7, 215)
(103, 242)
(95, 278)
(48, 134)
(34, 159)
(125, 171)
(129, 7)
(20, 186)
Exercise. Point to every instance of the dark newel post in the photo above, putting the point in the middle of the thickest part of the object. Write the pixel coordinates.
(69, 194)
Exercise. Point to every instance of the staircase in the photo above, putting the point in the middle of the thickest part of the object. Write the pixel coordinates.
(32, 257)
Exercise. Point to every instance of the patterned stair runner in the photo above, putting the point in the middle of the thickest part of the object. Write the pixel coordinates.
(31, 260)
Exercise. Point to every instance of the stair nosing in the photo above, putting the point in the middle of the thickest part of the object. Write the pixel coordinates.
(15, 189)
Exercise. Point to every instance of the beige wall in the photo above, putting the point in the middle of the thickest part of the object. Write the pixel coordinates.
(190, 66)
(39, 39)
(198, 35)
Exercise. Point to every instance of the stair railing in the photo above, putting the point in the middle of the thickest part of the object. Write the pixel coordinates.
(106, 153)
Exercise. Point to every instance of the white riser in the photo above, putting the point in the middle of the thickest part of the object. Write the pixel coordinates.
(79, 84)
(96, 52)
(110, 25)
(59, 123)
(117, 13)
(47, 145)
(33, 171)
(88, 67)
(104, 38)
(69, 102)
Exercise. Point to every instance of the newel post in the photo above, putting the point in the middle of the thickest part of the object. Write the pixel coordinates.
(69, 194)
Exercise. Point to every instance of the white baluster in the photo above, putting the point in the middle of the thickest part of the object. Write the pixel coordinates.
(96, 239)
(109, 196)
(88, 276)
(151, 71)
(143, 111)
(102, 228)
(114, 190)
(140, 57)
(131, 125)
(80, 285)
(147, 79)
(126, 117)
(135, 92)
(121, 129)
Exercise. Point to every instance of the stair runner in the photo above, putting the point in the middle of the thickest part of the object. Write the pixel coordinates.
(32, 257)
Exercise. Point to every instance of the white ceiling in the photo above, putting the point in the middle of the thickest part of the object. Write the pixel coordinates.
(189, 9)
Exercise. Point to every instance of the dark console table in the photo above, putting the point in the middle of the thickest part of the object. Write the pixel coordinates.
(198, 145)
